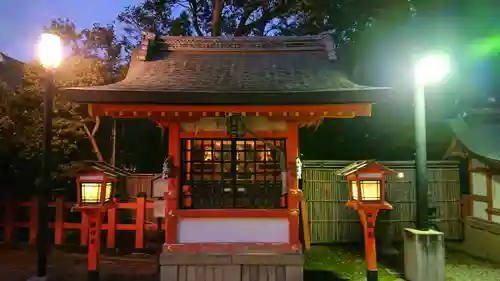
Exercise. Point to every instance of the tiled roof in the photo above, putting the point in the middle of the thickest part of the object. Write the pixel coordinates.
(171, 66)
(479, 136)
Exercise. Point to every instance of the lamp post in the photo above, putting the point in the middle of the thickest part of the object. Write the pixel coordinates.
(49, 53)
(95, 193)
(430, 69)
(366, 183)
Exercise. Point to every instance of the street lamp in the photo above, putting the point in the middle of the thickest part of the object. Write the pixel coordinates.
(49, 55)
(430, 69)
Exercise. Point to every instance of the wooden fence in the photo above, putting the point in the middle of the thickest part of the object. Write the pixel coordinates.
(330, 221)
(59, 223)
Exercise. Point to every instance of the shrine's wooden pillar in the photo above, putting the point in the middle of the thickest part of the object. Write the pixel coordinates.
(292, 152)
(172, 196)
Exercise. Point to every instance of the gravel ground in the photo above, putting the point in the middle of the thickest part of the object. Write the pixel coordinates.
(17, 265)
(461, 267)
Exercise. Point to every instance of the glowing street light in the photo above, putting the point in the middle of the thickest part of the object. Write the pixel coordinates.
(50, 51)
(430, 69)
(50, 56)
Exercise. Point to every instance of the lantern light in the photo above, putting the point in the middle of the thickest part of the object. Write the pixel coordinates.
(400, 175)
(370, 190)
(50, 50)
(91, 192)
(95, 189)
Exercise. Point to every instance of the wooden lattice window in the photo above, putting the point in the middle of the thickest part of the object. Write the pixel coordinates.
(232, 173)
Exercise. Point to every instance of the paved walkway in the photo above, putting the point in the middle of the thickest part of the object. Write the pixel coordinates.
(19, 265)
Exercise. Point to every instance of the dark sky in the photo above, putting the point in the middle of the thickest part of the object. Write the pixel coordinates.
(22, 21)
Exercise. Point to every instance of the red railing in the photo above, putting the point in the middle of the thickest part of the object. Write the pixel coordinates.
(59, 224)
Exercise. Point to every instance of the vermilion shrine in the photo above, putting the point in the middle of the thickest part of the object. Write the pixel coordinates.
(232, 107)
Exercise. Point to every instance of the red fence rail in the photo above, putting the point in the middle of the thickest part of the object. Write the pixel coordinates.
(59, 224)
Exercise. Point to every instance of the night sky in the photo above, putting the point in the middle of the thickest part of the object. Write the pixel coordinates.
(22, 21)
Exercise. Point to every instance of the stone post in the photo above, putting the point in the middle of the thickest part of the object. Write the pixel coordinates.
(424, 257)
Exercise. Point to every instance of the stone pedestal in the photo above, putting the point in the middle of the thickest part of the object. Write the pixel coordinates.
(424, 256)
(231, 267)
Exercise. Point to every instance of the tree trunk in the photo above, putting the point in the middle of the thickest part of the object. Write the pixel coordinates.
(113, 142)
(216, 15)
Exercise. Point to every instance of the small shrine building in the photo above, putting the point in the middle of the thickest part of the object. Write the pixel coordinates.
(233, 107)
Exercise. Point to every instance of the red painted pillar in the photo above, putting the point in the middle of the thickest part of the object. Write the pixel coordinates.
(9, 221)
(368, 218)
(94, 219)
(111, 237)
(33, 221)
(139, 222)
(84, 229)
(292, 150)
(59, 223)
(171, 196)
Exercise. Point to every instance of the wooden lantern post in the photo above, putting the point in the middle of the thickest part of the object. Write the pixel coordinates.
(95, 193)
(366, 182)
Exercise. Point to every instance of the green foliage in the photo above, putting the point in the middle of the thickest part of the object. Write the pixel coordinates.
(21, 130)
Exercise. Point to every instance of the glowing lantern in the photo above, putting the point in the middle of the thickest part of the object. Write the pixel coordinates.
(366, 182)
(95, 189)
(96, 182)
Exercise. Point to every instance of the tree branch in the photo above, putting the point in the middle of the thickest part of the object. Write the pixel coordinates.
(266, 17)
(194, 14)
(247, 11)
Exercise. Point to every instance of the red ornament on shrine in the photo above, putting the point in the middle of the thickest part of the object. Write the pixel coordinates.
(366, 182)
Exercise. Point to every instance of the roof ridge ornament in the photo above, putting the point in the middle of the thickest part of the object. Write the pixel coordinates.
(238, 44)
(145, 49)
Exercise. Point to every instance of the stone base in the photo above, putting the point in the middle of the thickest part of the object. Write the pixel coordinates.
(231, 267)
(480, 235)
(424, 257)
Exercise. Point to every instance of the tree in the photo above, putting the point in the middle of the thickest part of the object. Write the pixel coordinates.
(21, 130)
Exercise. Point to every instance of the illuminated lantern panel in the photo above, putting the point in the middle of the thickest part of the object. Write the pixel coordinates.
(91, 192)
(354, 190)
(370, 190)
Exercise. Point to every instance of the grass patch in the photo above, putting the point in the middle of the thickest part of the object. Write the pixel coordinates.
(346, 264)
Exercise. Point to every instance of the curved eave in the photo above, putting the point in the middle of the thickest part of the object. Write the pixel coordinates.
(480, 139)
(334, 96)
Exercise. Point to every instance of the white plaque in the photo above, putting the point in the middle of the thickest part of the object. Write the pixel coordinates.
(159, 208)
